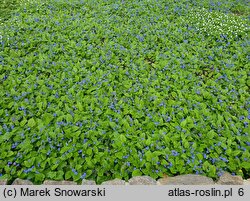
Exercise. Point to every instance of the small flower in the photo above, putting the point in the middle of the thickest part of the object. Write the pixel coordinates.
(175, 153)
(210, 57)
(219, 174)
(83, 175)
(213, 160)
(168, 119)
(74, 171)
(223, 159)
(242, 117)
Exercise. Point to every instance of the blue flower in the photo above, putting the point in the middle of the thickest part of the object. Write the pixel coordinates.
(149, 115)
(14, 145)
(83, 175)
(220, 174)
(161, 104)
(213, 160)
(168, 119)
(223, 159)
(242, 117)
(174, 153)
(156, 123)
(210, 57)
(74, 171)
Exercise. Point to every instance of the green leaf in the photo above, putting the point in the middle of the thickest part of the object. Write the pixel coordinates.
(69, 118)
(89, 151)
(212, 171)
(119, 155)
(122, 138)
(236, 152)
(59, 175)
(183, 123)
(51, 175)
(211, 134)
(76, 177)
(149, 156)
(148, 141)
(112, 124)
(47, 118)
(89, 163)
(199, 156)
(39, 177)
(68, 175)
(23, 122)
(29, 162)
(31, 123)
(53, 167)
(136, 172)
(185, 143)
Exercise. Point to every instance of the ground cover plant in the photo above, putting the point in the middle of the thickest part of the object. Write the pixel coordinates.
(113, 89)
(8, 6)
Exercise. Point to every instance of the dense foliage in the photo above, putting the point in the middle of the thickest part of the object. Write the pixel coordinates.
(103, 89)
